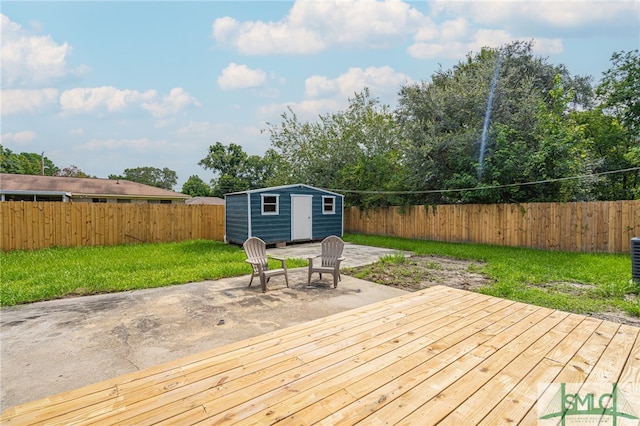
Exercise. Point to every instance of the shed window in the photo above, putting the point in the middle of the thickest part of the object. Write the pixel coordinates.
(328, 205)
(270, 204)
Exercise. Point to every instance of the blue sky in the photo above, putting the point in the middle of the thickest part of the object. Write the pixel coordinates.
(112, 85)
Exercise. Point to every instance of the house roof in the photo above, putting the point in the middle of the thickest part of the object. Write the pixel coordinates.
(276, 188)
(205, 200)
(83, 187)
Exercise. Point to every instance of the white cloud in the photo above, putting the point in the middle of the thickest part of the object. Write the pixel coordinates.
(308, 110)
(19, 138)
(451, 30)
(236, 76)
(110, 99)
(143, 145)
(466, 26)
(382, 81)
(314, 26)
(104, 98)
(177, 100)
(27, 101)
(552, 13)
(194, 128)
(456, 38)
(28, 60)
(334, 94)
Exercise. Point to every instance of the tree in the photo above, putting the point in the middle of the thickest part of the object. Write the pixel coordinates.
(196, 187)
(9, 162)
(560, 152)
(359, 150)
(73, 171)
(160, 178)
(619, 89)
(444, 122)
(615, 127)
(26, 163)
(233, 169)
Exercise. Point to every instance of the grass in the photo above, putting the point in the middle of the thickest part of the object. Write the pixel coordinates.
(30, 276)
(575, 282)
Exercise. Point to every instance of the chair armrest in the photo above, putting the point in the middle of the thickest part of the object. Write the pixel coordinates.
(280, 259)
(256, 263)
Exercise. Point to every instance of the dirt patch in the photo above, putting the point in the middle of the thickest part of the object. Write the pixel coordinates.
(418, 272)
(619, 317)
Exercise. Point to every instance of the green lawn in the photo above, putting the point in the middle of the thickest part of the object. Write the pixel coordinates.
(575, 282)
(29, 276)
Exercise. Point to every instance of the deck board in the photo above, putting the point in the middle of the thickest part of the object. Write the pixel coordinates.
(440, 355)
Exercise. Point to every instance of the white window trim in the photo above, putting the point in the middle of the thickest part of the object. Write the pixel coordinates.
(333, 211)
(262, 197)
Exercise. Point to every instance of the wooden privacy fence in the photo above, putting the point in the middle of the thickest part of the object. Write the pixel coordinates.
(603, 226)
(34, 225)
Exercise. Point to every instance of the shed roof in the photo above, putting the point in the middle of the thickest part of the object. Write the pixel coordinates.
(276, 188)
(93, 187)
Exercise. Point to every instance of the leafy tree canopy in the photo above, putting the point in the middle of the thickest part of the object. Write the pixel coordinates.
(161, 178)
(234, 170)
(620, 88)
(26, 163)
(359, 151)
(528, 135)
(196, 187)
(73, 171)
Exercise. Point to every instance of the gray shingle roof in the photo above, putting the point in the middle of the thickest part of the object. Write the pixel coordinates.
(84, 186)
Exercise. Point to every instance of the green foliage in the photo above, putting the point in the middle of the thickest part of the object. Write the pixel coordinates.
(160, 178)
(26, 163)
(544, 128)
(615, 127)
(444, 121)
(235, 170)
(356, 151)
(619, 90)
(73, 171)
(196, 187)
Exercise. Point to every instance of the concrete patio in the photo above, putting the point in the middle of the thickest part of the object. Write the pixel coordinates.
(54, 346)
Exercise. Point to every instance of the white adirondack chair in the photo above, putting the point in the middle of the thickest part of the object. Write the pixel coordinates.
(329, 259)
(256, 251)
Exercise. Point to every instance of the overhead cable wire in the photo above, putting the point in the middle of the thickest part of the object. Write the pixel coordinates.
(478, 188)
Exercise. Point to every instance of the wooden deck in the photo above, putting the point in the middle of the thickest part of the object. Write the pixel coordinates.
(439, 356)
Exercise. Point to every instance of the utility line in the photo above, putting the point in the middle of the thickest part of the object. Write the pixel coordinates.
(439, 191)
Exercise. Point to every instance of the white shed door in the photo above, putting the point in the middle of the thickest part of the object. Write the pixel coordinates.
(301, 217)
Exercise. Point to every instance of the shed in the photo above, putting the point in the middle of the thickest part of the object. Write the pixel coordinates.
(282, 214)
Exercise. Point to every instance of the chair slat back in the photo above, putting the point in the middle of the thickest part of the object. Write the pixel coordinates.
(256, 250)
(331, 250)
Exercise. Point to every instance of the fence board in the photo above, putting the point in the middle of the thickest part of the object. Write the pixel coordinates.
(602, 226)
(583, 226)
(34, 225)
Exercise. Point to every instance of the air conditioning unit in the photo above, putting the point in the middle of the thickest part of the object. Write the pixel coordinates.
(635, 260)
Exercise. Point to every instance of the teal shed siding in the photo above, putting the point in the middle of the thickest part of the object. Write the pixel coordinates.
(236, 218)
(277, 228)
